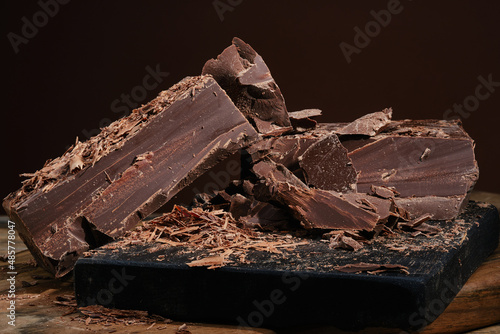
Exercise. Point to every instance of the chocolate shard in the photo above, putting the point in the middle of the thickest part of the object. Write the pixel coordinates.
(276, 173)
(384, 208)
(419, 224)
(101, 188)
(327, 166)
(383, 192)
(244, 75)
(305, 113)
(368, 125)
(302, 120)
(317, 208)
(314, 208)
(341, 240)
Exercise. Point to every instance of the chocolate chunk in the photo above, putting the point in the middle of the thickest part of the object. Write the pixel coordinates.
(302, 120)
(431, 165)
(276, 173)
(438, 207)
(368, 125)
(100, 188)
(327, 166)
(244, 75)
(268, 217)
(314, 208)
(317, 208)
(383, 192)
(414, 153)
(284, 150)
(385, 208)
(240, 206)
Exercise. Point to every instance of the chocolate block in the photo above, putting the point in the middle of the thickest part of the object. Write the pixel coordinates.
(101, 188)
(327, 166)
(431, 165)
(242, 72)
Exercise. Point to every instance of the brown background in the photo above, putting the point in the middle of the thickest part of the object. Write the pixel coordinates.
(64, 79)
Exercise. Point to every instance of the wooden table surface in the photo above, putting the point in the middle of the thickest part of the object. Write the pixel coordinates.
(475, 309)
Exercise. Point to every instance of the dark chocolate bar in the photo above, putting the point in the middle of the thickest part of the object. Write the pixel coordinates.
(101, 188)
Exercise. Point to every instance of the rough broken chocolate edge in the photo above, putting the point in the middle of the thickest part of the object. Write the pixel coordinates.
(244, 75)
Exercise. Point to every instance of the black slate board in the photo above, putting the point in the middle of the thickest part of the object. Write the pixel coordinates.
(302, 288)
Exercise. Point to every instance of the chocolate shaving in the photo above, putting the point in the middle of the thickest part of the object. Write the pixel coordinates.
(97, 314)
(215, 231)
(372, 268)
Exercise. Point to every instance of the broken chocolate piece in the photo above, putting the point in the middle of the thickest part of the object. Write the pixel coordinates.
(431, 165)
(327, 166)
(305, 113)
(368, 125)
(240, 206)
(383, 192)
(385, 208)
(132, 168)
(317, 208)
(302, 120)
(284, 150)
(439, 207)
(267, 217)
(276, 173)
(341, 240)
(419, 224)
(412, 168)
(242, 73)
(314, 208)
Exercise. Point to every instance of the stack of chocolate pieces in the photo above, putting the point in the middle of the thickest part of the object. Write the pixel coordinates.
(361, 178)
